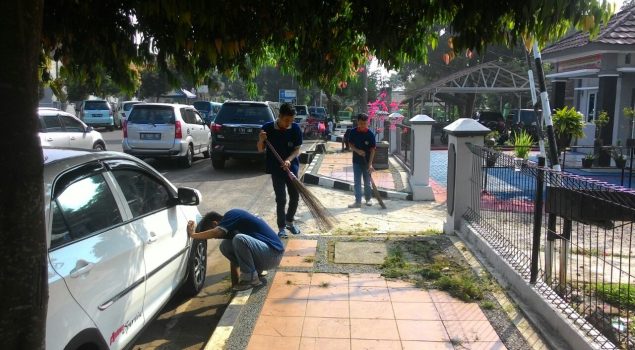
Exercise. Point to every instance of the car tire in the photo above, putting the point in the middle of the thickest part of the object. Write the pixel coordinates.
(218, 163)
(187, 160)
(110, 128)
(196, 268)
(207, 153)
(98, 146)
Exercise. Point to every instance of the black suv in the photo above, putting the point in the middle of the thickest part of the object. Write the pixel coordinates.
(235, 130)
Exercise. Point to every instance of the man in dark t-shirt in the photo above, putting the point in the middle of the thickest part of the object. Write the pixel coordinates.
(362, 142)
(286, 138)
(248, 242)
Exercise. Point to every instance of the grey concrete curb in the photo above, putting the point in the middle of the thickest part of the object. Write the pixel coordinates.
(557, 330)
(225, 326)
(312, 179)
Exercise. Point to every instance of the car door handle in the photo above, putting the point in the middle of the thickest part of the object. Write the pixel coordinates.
(72, 137)
(152, 239)
(49, 139)
(82, 267)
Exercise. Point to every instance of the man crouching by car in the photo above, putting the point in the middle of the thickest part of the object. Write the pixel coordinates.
(248, 243)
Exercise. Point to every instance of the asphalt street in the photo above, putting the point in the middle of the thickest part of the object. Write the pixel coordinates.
(188, 323)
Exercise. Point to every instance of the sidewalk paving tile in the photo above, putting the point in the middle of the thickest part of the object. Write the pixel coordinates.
(279, 326)
(460, 312)
(296, 278)
(288, 291)
(471, 331)
(366, 280)
(415, 311)
(362, 328)
(362, 344)
(426, 345)
(422, 330)
(328, 308)
(372, 309)
(482, 345)
(331, 279)
(265, 342)
(324, 344)
(297, 261)
(330, 292)
(284, 307)
(369, 293)
(326, 327)
(410, 295)
(442, 297)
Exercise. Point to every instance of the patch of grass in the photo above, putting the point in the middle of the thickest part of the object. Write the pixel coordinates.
(394, 265)
(462, 286)
(309, 259)
(488, 305)
(621, 295)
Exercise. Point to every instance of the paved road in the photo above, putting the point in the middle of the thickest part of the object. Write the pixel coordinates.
(188, 323)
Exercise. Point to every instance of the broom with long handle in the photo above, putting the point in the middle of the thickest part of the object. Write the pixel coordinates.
(375, 190)
(321, 215)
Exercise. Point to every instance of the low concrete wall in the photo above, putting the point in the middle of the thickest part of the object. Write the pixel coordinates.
(557, 330)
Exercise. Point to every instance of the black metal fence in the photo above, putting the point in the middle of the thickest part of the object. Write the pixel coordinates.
(405, 144)
(568, 235)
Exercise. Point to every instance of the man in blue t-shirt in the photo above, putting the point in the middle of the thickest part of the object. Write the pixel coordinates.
(362, 143)
(286, 138)
(248, 242)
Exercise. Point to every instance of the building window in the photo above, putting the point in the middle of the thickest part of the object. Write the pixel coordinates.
(627, 58)
(591, 108)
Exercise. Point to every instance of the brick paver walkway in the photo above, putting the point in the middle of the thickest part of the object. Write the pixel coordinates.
(339, 166)
(363, 311)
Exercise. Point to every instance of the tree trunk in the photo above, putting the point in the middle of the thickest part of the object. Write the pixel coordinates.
(23, 262)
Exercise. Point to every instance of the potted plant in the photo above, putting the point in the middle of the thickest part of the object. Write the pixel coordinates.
(587, 161)
(629, 112)
(618, 157)
(522, 146)
(600, 122)
(567, 124)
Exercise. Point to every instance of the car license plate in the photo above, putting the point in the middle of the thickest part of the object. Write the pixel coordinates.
(150, 136)
(96, 115)
(244, 130)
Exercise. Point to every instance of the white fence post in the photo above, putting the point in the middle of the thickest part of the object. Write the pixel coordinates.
(420, 177)
(460, 158)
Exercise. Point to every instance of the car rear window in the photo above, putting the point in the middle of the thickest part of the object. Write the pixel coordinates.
(152, 115)
(202, 106)
(96, 105)
(243, 114)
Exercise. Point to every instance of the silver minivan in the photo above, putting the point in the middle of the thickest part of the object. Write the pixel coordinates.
(163, 130)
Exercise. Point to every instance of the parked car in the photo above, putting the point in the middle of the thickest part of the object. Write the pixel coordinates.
(117, 244)
(124, 111)
(163, 130)
(318, 113)
(301, 116)
(63, 130)
(208, 110)
(98, 113)
(489, 119)
(235, 130)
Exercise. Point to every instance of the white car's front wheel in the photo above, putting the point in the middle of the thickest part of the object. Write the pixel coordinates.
(197, 268)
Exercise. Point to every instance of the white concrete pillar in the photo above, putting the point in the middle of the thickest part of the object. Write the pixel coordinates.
(393, 139)
(460, 158)
(420, 177)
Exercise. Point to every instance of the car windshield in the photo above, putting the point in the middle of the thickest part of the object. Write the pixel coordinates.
(96, 105)
(128, 106)
(152, 115)
(202, 106)
(243, 114)
(300, 110)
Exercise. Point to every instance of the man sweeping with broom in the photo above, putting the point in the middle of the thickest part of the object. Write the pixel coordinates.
(285, 137)
(362, 142)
